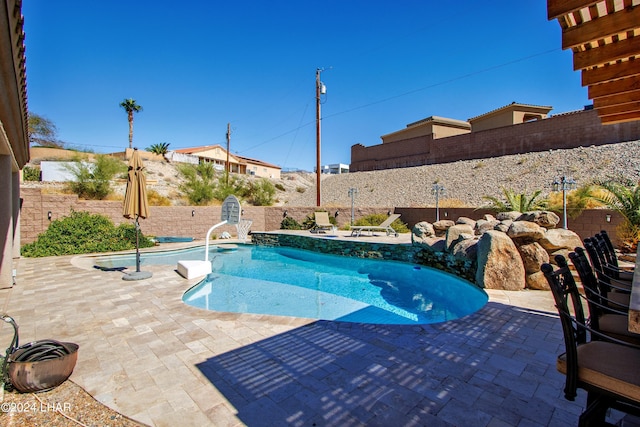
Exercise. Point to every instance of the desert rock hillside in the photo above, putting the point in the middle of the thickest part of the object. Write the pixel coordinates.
(465, 182)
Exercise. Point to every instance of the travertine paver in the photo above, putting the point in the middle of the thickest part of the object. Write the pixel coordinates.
(146, 354)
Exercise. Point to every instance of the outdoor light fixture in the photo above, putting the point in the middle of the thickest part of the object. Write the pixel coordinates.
(335, 215)
(193, 212)
(608, 218)
(352, 193)
(564, 184)
(49, 215)
(437, 190)
(285, 213)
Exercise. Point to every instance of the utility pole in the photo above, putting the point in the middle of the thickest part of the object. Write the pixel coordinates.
(227, 167)
(318, 90)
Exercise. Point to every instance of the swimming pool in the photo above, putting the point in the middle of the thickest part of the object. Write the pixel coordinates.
(293, 282)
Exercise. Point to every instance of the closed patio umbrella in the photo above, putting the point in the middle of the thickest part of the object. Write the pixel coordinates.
(136, 206)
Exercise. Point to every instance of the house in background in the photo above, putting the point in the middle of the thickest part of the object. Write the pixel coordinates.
(217, 155)
(512, 129)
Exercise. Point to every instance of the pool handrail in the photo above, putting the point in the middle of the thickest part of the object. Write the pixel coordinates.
(206, 245)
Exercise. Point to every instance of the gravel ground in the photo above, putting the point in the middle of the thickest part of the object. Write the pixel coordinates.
(465, 182)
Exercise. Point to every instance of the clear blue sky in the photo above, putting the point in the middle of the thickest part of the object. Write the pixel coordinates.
(195, 66)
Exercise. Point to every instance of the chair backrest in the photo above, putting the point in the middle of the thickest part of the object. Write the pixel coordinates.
(609, 244)
(595, 299)
(322, 219)
(563, 288)
(597, 260)
(606, 251)
(387, 222)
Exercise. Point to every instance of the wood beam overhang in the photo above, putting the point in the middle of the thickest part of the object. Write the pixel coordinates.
(558, 8)
(610, 72)
(604, 36)
(608, 53)
(614, 87)
(600, 28)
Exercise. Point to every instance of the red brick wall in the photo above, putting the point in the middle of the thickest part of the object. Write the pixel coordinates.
(571, 130)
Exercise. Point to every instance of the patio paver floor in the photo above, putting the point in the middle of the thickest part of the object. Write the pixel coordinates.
(152, 358)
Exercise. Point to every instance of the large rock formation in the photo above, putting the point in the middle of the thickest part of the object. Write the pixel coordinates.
(508, 248)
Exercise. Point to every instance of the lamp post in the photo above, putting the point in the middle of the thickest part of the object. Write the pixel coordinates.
(437, 190)
(564, 184)
(352, 194)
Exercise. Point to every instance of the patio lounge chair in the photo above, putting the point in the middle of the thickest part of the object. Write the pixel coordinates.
(321, 223)
(356, 230)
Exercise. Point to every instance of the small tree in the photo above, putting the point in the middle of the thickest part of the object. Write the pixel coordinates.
(93, 180)
(261, 192)
(199, 183)
(43, 132)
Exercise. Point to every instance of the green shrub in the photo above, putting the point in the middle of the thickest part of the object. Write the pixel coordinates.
(290, 224)
(31, 173)
(93, 180)
(261, 192)
(280, 187)
(198, 184)
(377, 219)
(82, 232)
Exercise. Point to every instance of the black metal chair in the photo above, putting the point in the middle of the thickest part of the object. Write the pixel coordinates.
(606, 315)
(605, 246)
(605, 275)
(607, 370)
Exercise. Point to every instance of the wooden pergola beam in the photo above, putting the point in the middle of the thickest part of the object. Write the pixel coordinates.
(614, 87)
(608, 53)
(610, 72)
(617, 99)
(597, 29)
(620, 118)
(619, 109)
(558, 8)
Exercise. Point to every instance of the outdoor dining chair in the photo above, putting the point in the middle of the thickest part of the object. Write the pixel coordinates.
(606, 369)
(607, 252)
(605, 275)
(605, 315)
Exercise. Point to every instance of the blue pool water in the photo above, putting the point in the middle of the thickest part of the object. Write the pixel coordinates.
(292, 282)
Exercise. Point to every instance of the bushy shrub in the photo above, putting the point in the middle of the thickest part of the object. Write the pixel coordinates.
(261, 192)
(198, 184)
(31, 173)
(290, 224)
(377, 219)
(82, 232)
(280, 187)
(93, 180)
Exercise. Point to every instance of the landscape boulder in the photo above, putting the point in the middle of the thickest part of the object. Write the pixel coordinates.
(421, 231)
(544, 219)
(559, 238)
(499, 263)
(525, 229)
(456, 233)
(533, 256)
(441, 226)
(511, 215)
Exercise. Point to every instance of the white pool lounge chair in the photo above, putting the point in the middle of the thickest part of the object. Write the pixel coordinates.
(321, 223)
(356, 230)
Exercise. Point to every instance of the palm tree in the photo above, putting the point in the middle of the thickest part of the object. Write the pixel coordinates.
(161, 148)
(515, 202)
(623, 198)
(130, 107)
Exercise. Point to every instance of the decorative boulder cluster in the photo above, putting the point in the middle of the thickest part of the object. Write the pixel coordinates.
(508, 248)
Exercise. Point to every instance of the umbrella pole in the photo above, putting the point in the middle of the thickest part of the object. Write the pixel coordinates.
(137, 245)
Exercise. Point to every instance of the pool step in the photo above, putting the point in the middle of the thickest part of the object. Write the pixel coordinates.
(190, 269)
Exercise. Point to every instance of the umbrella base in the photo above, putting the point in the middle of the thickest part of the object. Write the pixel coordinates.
(137, 275)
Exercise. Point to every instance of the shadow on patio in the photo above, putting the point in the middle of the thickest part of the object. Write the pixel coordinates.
(497, 365)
